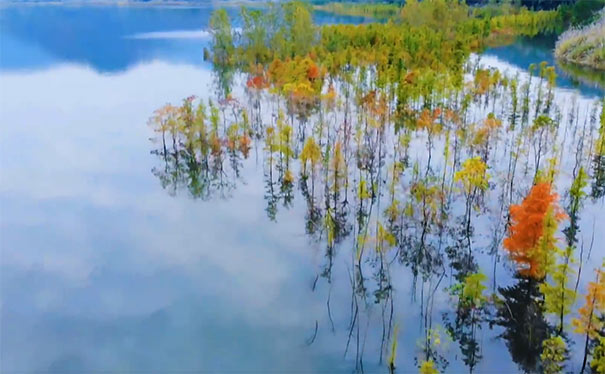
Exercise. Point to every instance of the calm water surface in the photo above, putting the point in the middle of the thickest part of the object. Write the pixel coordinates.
(102, 270)
(525, 51)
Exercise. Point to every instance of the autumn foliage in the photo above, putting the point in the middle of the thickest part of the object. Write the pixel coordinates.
(532, 224)
(313, 71)
(589, 321)
(257, 82)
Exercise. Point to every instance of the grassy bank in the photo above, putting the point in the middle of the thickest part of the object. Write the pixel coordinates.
(584, 46)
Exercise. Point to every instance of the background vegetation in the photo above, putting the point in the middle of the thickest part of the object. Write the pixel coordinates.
(584, 46)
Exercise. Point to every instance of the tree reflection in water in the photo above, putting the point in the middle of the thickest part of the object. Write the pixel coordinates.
(405, 170)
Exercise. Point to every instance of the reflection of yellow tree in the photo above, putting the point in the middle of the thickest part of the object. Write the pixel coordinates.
(310, 157)
(400, 84)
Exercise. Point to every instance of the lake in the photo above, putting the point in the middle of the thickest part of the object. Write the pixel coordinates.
(103, 269)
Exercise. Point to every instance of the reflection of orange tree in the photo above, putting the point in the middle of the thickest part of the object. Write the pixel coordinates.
(520, 314)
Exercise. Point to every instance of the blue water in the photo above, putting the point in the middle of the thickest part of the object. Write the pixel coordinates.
(525, 51)
(109, 39)
(102, 270)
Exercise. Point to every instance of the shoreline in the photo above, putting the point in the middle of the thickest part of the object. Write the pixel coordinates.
(583, 46)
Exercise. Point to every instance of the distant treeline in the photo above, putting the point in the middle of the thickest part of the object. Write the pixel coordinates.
(581, 12)
(530, 4)
(376, 10)
(575, 12)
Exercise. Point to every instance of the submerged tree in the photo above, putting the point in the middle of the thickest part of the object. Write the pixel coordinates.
(223, 49)
(559, 296)
(474, 180)
(531, 243)
(385, 123)
(590, 319)
(470, 313)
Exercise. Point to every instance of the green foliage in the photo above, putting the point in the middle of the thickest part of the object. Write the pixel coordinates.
(376, 10)
(576, 197)
(554, 353)
(600, 143)
(364, 96)
(254, 37)
(576, 191)
(581, 12)
(542, 122)
(547, 245)
(222, 38)
(583, 74)
(598, 358)
(300, 28)
(559, 294)
(584, 46)
(526, 22)
(473, 290)
(436, 14)
(433, 39)
(426, 195)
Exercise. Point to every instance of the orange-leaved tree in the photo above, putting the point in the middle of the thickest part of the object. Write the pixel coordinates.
(590, 319)
(531, 243)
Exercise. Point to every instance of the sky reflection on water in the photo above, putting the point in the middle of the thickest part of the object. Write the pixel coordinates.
(110, 39)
